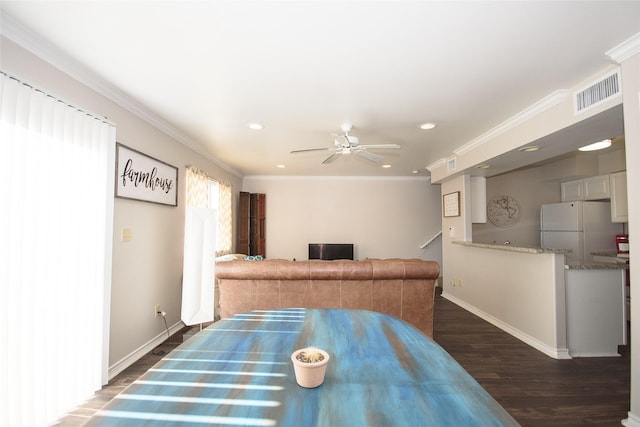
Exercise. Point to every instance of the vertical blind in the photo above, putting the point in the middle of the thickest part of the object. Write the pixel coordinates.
(56, 221)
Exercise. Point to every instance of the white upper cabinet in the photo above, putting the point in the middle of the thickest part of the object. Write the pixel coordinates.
(572, 190)
(596, 187)
(612, 186)
(592, 188)
(618, 186)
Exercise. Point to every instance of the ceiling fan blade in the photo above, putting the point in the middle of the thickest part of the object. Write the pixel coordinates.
(369, 156)
(331, 158)
(379, 146)
(306, 150)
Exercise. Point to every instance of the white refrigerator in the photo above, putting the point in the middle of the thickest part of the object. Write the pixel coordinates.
(581, 227)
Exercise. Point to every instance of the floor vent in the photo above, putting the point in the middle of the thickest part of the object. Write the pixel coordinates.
(598, 92)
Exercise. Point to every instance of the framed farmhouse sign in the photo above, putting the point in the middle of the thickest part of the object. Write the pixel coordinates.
(140, 177)
(451, 204)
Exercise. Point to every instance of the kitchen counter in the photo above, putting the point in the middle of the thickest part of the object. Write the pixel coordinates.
(563, 309)
(596, 266)
(592, 265)
(610, 257)
(603, 261)
(511, 248)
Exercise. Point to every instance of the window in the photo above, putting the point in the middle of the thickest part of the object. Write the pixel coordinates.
(221, 196)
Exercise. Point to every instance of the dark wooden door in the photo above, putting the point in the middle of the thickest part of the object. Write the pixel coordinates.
(257, 237)
(261, 225)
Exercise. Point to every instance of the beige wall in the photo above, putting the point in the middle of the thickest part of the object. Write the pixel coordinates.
(384, 218)
(147, 270)
(530, 189)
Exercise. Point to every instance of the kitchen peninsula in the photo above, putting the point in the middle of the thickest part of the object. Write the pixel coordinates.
(535, 296)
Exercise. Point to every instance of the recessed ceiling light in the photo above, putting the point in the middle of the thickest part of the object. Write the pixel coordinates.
(386, 166)
(529, 148)
(255, 126)
(415, 171)
(427, 126)
(600, 145)
(281, 166)
(483, 166)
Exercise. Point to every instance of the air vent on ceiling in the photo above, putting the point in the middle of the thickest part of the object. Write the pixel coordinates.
(603, 89)
(451, 164)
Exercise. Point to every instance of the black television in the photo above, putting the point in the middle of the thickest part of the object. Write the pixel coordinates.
(330, 251)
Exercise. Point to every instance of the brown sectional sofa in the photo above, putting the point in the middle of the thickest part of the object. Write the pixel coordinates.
(401, 287)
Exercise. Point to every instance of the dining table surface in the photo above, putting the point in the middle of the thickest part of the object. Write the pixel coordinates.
(238, 371)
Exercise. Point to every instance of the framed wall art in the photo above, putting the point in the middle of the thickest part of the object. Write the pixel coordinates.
(451, 204)
(141, 177)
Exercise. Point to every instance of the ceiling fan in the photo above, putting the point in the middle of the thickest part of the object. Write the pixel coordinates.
(347, 144)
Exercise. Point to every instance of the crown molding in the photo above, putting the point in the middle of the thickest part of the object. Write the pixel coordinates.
(539, 107)
(334, 177)
(48, 52)
(437, 164)
(625, 50)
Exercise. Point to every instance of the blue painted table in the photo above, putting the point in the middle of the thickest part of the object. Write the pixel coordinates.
(382, 372)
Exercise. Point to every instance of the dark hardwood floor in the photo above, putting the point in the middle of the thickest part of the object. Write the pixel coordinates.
(537, 390)
(120, 382)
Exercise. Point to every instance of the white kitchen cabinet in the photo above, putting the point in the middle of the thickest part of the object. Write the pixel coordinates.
(572, 190)
(619, 207)
(596, 187)
(596, 323)
(591, 188)
(478, 200)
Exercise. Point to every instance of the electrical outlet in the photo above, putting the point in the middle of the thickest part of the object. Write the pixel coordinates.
(157, 310)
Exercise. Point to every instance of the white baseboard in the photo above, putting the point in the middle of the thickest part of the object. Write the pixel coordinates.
(599, 354)
(556, 353)
(631, 421)
(135, 355)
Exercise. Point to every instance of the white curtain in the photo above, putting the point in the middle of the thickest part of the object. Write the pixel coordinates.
(198, 277)
(56, 220)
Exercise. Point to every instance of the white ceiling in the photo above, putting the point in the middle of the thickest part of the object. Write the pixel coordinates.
(301, 69)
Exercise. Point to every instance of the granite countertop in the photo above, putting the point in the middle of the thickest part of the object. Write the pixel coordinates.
(605, 253)
(612, 256)
(592, 265)
(511, 248)
(605, 260)
(596, 266)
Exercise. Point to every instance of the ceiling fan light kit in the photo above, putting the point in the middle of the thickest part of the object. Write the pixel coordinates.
(351, 140)
(346, 144)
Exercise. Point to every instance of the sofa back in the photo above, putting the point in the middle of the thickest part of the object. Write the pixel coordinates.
(401, 287)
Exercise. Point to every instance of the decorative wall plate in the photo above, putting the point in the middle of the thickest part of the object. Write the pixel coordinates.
(503, 211)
